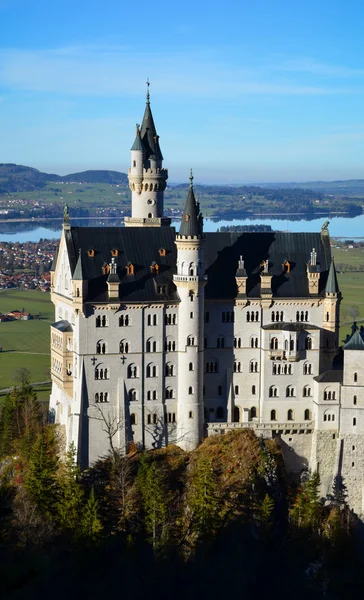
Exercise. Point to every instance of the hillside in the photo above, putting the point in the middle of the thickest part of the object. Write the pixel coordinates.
(20, 178)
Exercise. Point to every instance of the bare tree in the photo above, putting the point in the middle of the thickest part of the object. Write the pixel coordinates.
(111, 425)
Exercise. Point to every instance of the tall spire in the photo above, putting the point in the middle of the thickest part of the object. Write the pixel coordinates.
(191, 224)
(332, 286)
(148, 132)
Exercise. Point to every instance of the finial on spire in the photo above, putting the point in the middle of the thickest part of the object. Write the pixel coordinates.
(148, 94)
(191, 179)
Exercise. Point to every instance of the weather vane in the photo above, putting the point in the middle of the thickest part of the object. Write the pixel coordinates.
(191, 178)
(148, 84)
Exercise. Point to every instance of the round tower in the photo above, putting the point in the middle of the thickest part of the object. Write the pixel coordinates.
(190, 282)
(147, 178)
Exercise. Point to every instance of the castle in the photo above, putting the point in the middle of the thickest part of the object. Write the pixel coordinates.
(164, 337)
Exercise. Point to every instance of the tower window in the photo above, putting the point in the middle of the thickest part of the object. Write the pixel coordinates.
(355, 400)
(355, 377)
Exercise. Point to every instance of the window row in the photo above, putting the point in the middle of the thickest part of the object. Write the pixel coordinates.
(252, 316)
(277, 315)
(290, 391)
(290, 345)
(290, 415)
(154, 418)
(282, 368)
(101, 397)
(101, 373)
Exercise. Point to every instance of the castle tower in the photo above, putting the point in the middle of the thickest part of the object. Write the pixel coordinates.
(147, 178)
(331, 320)
(190, 282)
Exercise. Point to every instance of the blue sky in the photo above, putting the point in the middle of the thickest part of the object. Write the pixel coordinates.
(241, 91)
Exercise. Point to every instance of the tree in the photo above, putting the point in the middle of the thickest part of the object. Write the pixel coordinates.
(7, 427)
(203, 503)
(155, 495)
(306, 511)
(40, 477)
(71, 495)
(91, 526)
(111, 425)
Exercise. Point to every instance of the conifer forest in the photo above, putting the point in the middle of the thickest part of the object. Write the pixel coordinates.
(223, 521)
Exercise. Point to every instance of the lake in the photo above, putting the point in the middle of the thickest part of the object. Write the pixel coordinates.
(340, 226)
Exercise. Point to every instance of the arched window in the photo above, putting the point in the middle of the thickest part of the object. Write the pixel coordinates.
(254, 342)
(253, 366)
(133, 419)
(306, 392)
(220, 342)
(101, 347)
(132, 371)
(133, 395)
(169, 370)
(289, 391)
(254, 390)
(124, 321)
(291, 345)
(308, 343)
(307, 368)
(236, 414)
(354, 421)
(236, 390)
(237, 342)
(190, 340)
(355, 400)
(290, 415)
(327, 316)
(355, 377)
(273, 415)
(274, 343)
(220, 412)
(273, 316)
(253, 412)
(98, 321)
(273, 391)
(190, 390)
(237, 367)
(151, 370)
(307, 415)
(151, 345)
(169, 393)
(190, 367)
(124, 347)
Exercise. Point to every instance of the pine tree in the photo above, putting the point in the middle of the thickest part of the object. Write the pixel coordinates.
(71, 495)
(203, 502)
(7, 427)
(91, 526)
(40, 478)
(307, 510)
(155, 501)
(266, 509)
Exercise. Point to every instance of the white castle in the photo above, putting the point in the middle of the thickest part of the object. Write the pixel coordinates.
(165, 337)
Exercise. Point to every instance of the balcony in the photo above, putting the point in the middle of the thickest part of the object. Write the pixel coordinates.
(276, 354)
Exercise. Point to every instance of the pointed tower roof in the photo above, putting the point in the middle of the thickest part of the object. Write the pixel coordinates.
(355, 342)
(78, 272)
(148, 132)
(332, 286)
(138, 140)
(191, 224)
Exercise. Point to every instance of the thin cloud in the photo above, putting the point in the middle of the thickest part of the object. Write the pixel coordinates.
(311, 66)
(94, 71)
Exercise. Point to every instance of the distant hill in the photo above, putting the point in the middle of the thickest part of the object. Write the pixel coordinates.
(19, 178)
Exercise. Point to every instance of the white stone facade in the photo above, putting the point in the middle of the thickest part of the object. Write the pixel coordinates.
(166, 371)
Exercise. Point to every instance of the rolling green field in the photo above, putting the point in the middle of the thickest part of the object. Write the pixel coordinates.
(25, 344)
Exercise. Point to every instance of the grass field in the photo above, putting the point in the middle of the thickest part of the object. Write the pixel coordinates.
(25, 343)
(349, 256)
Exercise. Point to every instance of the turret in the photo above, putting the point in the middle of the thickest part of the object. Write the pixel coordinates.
(313, 274)
(147, 178)
(331, 308)
(79, 284)
(190, 282)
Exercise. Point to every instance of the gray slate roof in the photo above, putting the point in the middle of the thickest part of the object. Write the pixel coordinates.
(148, 134)
(63, 326)
(140, 246)
(137, 142)
(332, 376)
(191, 218)
(332, 286)
(355, 342)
